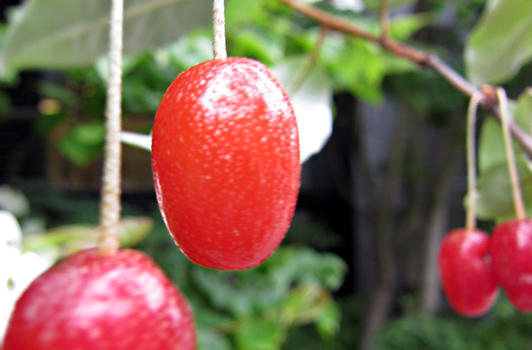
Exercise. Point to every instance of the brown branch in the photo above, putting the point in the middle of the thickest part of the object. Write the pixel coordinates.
(422, 58)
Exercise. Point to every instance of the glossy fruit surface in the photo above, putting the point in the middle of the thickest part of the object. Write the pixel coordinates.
(511, 251)
(466, 273)
(225, 157)
(90, 301)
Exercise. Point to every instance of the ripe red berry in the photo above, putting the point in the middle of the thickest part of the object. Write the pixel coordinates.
(225, 158)
(511, 252)
(91, 301)
(466, 274)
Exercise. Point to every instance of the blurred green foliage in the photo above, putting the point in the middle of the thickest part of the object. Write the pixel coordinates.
(252, 309)
(256, 308)
(503, 328)
(288, 301)
(263, 29)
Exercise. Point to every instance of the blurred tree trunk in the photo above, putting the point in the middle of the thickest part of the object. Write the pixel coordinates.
(437, 226)
(385, 204)
(403, 174)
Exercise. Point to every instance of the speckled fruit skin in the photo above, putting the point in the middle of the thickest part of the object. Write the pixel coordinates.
(466, 273)
(225, 158)
(511, 252)
(90, 301)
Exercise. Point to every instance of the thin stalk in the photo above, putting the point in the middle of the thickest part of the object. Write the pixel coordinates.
(219, 47)
(309, 64)
(385, 20)
(471, 162)
(111, 188)
(512, 167)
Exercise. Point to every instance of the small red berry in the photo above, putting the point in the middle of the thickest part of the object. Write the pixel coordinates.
(511, 252)
(225, 157)
(105, 302)
(466, 274)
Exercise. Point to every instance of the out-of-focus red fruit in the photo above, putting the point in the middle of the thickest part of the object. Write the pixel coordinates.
(466, 273)
(102, 302)
(511, 252)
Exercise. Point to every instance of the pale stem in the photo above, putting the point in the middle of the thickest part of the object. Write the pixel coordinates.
(219, 48)
(471, 162)
(309, 64)
(512, 167)
(385, 19)
(111, 182)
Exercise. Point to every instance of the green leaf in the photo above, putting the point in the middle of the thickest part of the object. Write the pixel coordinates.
(90, 133)
(377, 4)
(293, 264)
(500, 43)
(259, 334)
(209, 339)
(495, 201)
(59, 237)
(402, 27)
(328, 323)
(66, 240)
(300, 302)
(355, 65)
(73, 150)
(523, 111)
(491, 143)
(133, 230)
(57, 34)
(238, 12)
(491, 146)
(244, 293)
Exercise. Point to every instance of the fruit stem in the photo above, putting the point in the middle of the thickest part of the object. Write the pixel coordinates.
(219, 48)
(110, 197)
(385, 20)
(512, 166)
(309, 64)
(471, 162)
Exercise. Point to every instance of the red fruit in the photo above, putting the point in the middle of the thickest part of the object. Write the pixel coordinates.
(465, 271)
(91, 301)
(225, 159)
(511, 252)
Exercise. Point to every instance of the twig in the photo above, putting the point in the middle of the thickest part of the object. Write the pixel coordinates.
(111, 189)
(422, 58)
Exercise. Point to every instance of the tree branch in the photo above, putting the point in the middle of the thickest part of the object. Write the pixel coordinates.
(422, 58)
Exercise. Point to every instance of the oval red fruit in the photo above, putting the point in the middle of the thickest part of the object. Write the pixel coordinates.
(91, 301)
(511, 252)
(466, 273)
(225, 157)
